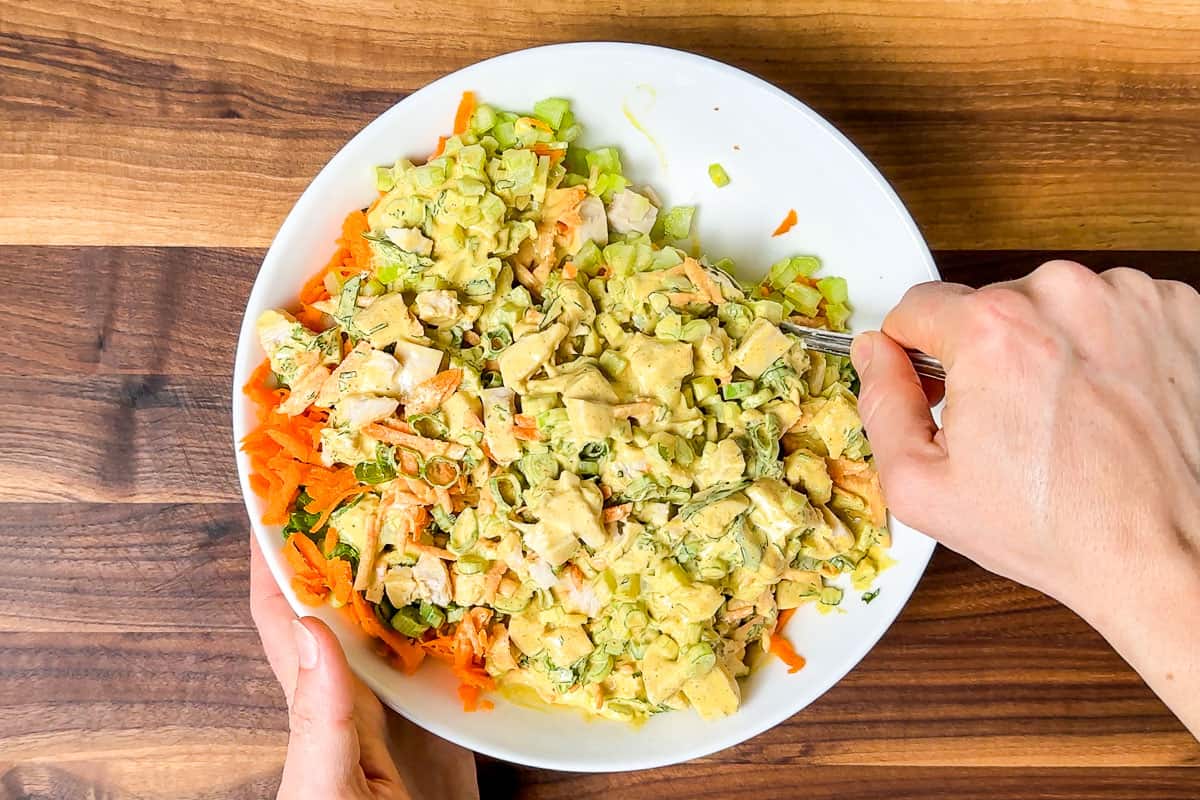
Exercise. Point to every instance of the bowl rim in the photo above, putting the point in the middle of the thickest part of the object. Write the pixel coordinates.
(292, 221)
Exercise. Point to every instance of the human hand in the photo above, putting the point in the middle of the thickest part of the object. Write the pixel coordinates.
(1069, 452)
(338, 747)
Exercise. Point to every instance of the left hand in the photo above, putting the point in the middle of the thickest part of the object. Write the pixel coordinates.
(338, 747)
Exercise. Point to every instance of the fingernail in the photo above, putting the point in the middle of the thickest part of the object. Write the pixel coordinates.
(861, 351)
(306, 645)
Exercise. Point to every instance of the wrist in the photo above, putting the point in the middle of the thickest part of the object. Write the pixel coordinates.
(1145, 609)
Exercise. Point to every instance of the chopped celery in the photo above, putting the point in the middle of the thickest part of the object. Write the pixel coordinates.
(677, 223)
(833, 289)
(613, 363)
(718, 175)
(483, 119)
(737, 390)
(806, 299)
(605, 160)
(551, 111)
(408, 622)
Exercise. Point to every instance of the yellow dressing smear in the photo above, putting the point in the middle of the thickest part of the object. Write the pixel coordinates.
(647, 90)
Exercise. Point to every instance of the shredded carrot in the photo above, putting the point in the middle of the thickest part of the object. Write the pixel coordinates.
(554, 153)
(340, 579)
(534, 122)
(429, 395)
(352, 239)
(570, 270)
(311, 594)
(783, 618)
(406, 651)
(527, 434)
(462, 117)
(617, 513)
(787, 223)
(312, 556)
(421, 444)
(782, 648)
(441, 147)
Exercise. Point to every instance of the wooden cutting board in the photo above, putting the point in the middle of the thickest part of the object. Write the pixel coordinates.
(149, 151)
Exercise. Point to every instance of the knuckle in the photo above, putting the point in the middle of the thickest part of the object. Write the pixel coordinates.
(1178, 292)
(1061, 274)
(1132, 281)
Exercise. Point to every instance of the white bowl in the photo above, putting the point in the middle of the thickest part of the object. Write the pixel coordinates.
(779, 155)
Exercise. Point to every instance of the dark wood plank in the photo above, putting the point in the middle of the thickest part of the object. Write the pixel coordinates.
(76, 567)
(116, 438)
(979, 267)
(144, 311)
(927, 58)
(500, 781)
(229, 183)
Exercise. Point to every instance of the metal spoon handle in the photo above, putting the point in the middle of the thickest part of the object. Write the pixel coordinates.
(838, 344)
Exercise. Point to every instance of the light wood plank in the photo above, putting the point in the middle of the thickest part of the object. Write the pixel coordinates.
(916, 58)
(1080, 185)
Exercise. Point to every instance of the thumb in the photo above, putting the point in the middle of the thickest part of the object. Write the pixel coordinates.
(323, 749)
(895, 414)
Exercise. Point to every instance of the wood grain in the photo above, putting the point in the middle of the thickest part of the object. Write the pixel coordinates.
(134, 715)
(932, 59)
(229, 183)
(776, 782)
(117, 325)
(977, 672)
(148, 153)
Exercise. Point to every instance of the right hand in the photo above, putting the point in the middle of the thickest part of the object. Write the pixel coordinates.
(1069, 452)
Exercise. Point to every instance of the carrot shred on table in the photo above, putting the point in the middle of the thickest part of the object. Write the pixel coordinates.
(787, 223)
(462, 117)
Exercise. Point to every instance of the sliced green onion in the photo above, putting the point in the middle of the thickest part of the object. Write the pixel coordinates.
(407, 455)
(701, 657)
(718, 175)
(443, 519)
(517, 602)
(506, 490)
(496, 340)
(428, 425)
(593, 451)
(831, 596)
(441, 471)
(471, 564)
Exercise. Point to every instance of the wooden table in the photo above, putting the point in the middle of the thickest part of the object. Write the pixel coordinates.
(149, 151)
